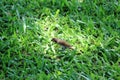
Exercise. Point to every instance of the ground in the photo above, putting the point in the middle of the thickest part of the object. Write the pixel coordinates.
(26, 49)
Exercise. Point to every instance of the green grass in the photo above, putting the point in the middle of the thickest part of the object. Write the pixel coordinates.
(26, 30)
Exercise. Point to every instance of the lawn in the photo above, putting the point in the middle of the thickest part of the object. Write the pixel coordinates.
(27, 27)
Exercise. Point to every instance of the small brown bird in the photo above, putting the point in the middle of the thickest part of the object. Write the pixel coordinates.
(62, 42)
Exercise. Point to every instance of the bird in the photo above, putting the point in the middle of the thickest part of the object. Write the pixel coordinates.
(63, 43)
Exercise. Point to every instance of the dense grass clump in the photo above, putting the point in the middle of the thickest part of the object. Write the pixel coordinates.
(27, 27)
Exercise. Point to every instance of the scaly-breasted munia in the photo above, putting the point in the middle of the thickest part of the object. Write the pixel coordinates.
(62, 42)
